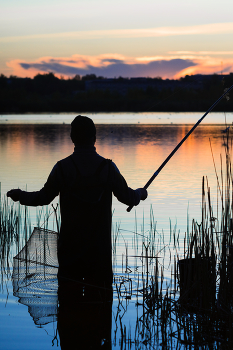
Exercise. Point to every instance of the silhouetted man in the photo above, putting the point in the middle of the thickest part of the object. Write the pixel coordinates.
(85, 182)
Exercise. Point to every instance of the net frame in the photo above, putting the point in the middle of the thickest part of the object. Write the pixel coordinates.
(34, 276)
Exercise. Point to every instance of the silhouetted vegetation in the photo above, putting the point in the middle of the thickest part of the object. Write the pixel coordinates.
(47, 93)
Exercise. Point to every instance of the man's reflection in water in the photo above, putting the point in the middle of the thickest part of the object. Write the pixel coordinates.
(84, 314)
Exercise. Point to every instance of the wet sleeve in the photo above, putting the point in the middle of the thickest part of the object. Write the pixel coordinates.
(122, 191)
(46, 195)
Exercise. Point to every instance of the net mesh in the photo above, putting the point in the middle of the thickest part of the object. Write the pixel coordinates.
(35, 270)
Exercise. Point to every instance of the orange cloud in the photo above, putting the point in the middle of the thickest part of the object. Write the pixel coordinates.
(173, 65)
(207, 65)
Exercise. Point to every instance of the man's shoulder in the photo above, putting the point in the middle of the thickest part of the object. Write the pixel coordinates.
(65, 160)
(115, 167)
(61, 164)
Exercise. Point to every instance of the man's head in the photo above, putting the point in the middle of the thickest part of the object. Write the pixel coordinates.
(83, 131)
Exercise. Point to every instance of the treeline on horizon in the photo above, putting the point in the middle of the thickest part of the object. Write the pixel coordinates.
(47, 93)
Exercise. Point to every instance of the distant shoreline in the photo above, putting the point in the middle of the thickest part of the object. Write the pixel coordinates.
(49, 94)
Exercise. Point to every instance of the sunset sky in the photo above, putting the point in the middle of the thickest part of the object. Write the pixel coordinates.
(128, 38)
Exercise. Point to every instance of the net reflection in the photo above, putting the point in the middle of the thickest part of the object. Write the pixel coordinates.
(83, 310)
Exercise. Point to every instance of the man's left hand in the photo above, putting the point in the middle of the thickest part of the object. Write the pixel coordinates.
(14, 194)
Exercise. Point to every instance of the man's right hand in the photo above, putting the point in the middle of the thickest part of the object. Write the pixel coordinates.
(14, 194)
(143, 193)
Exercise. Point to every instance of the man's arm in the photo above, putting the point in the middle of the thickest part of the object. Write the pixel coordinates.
(123, 192)
(45, 196)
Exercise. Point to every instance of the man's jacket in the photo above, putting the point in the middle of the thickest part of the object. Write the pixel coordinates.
(85, 182)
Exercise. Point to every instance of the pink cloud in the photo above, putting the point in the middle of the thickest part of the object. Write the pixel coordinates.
(114, 65)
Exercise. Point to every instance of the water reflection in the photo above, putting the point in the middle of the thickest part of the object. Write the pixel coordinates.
(84, 316)
(81, 307)
(83, 312)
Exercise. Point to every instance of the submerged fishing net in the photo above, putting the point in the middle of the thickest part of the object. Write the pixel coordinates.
(35, 270)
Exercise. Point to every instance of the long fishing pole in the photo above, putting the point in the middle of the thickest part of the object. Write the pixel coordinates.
(181, 142)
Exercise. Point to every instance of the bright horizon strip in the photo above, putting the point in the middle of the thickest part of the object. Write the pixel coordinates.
(208, 29)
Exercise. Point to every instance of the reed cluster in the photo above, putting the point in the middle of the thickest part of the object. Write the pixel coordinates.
(193, 308)
(10, 222)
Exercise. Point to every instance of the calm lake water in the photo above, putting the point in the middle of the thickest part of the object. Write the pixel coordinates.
(138, 144)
